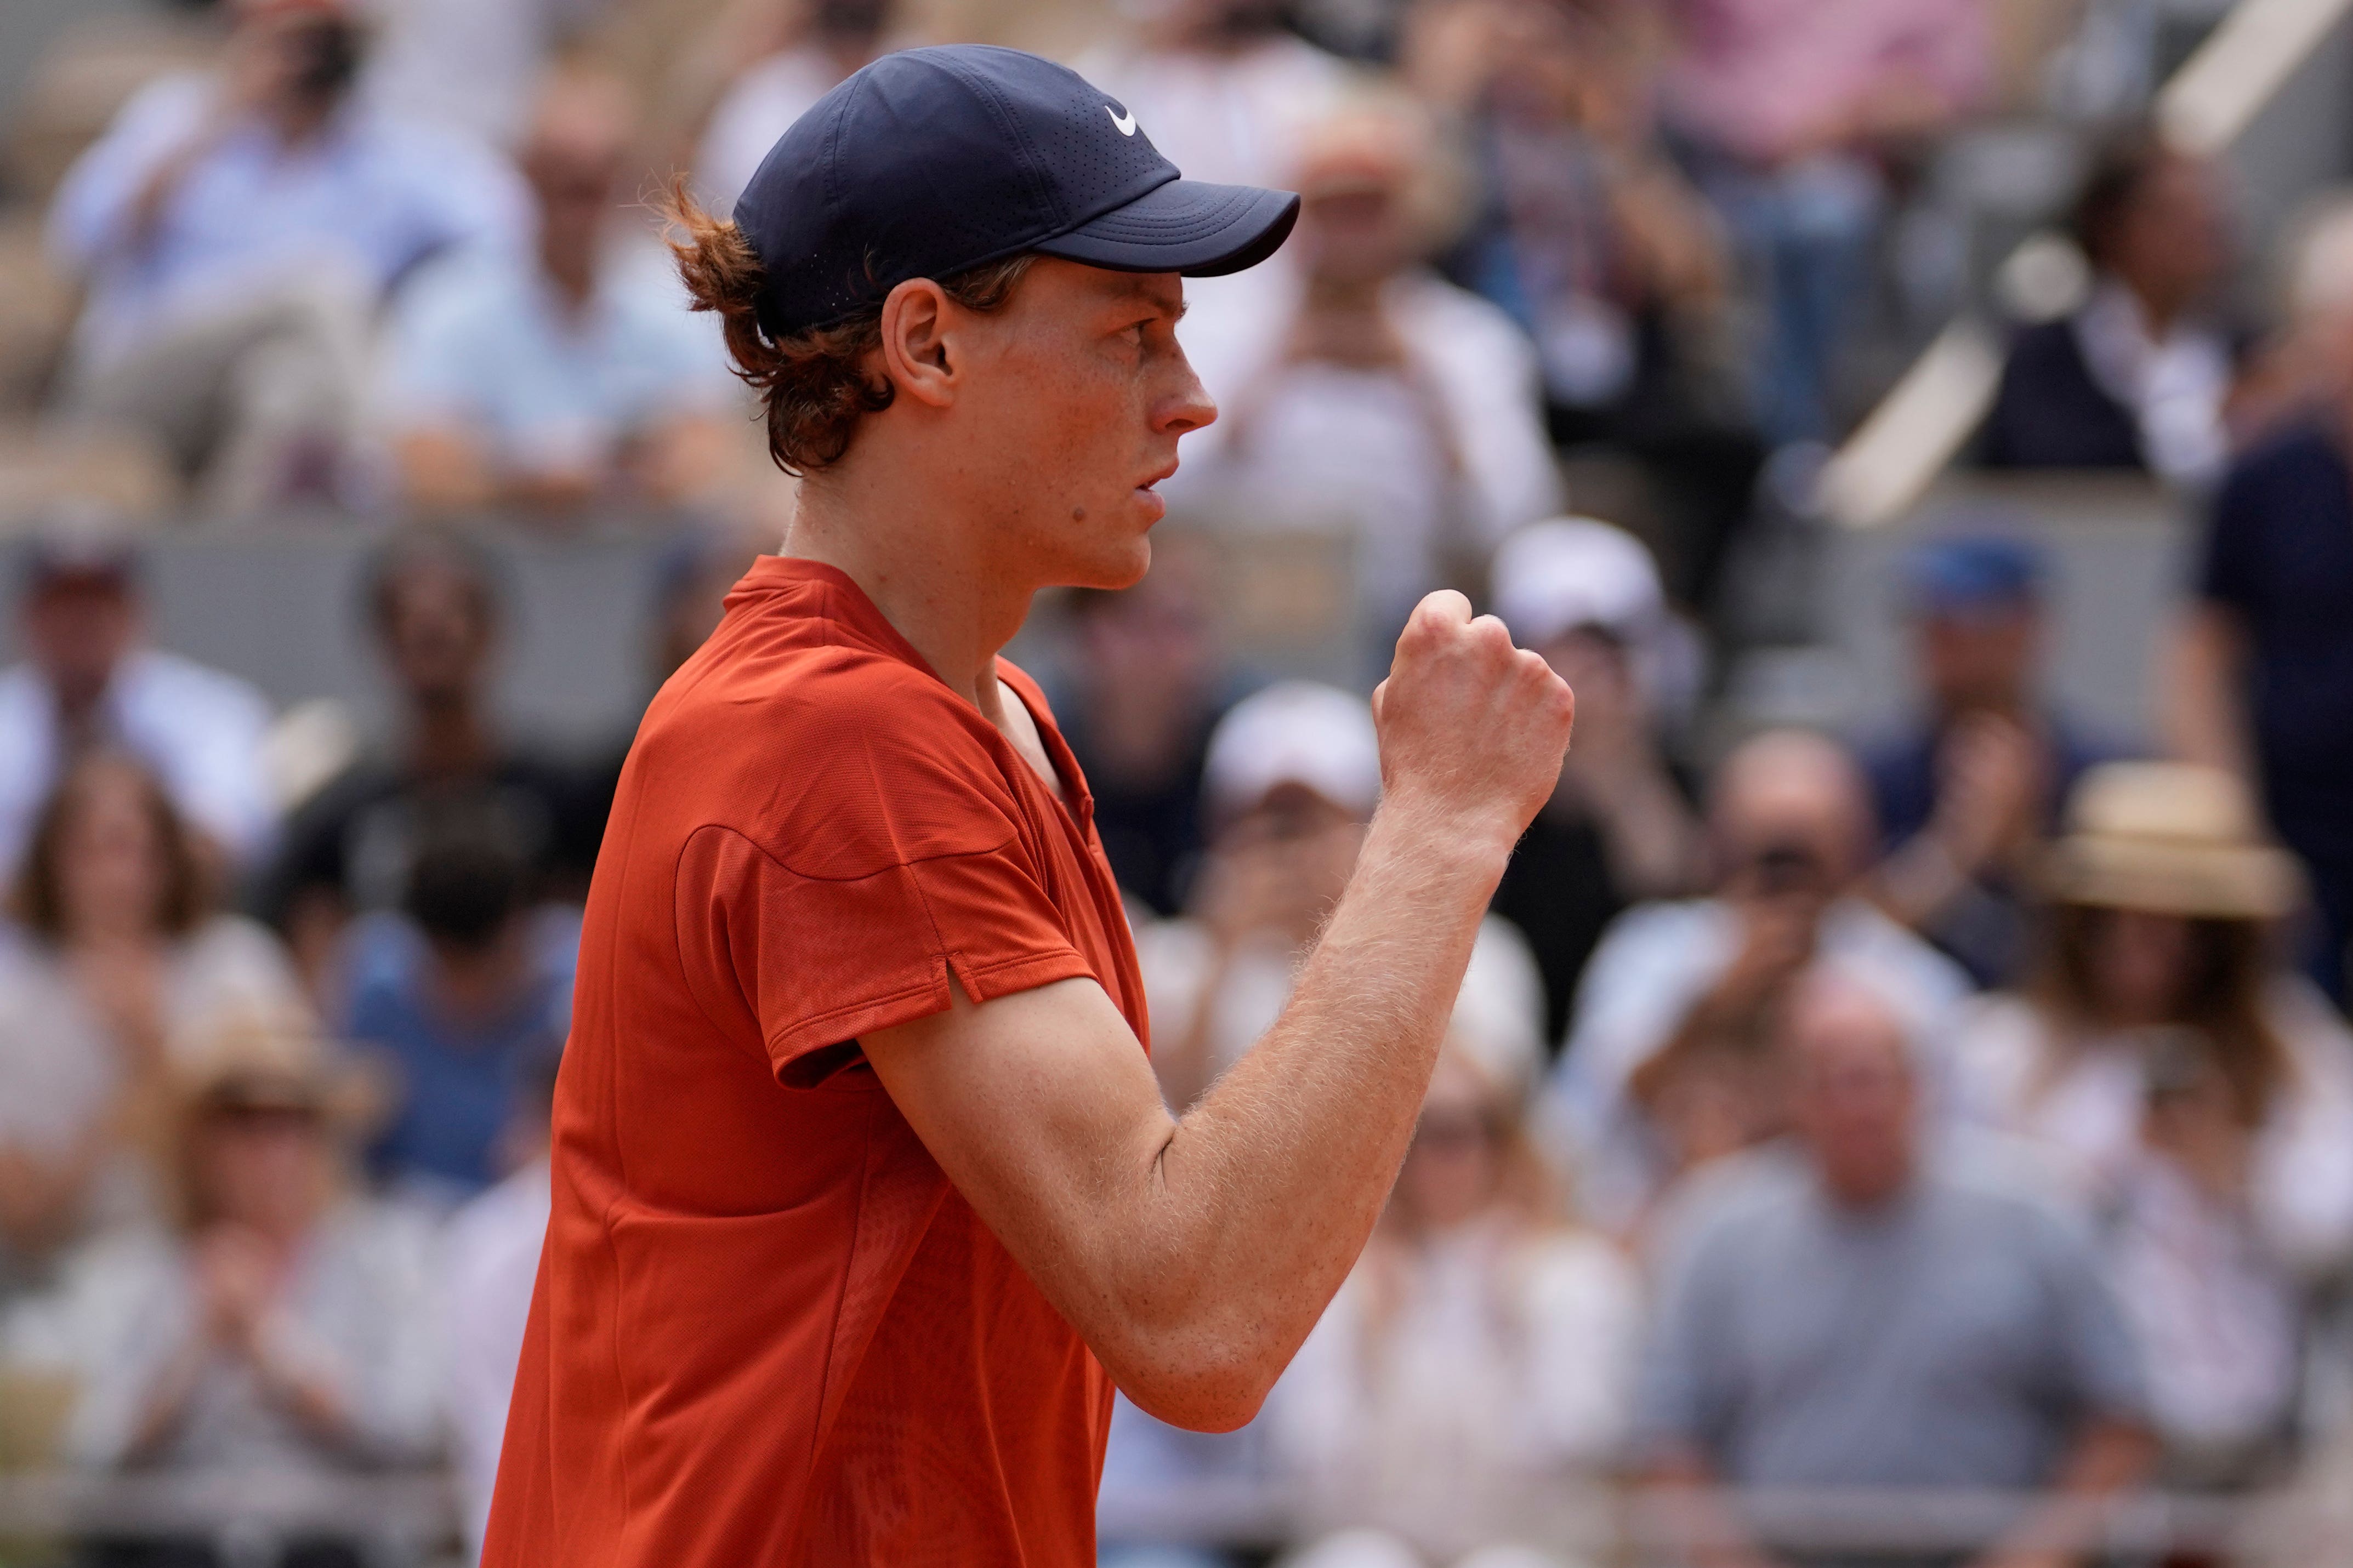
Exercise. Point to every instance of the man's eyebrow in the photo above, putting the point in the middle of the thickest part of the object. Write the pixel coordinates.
(1175, 307)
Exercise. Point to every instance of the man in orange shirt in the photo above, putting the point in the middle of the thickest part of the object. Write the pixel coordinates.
(864, 1194)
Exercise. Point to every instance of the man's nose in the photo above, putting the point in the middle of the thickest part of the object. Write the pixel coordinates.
(1189, 405)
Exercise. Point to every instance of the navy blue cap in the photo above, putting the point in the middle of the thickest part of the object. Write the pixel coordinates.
(930, 162)
(1973, 572)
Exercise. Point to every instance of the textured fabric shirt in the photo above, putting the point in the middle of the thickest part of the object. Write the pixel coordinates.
(767, 1329)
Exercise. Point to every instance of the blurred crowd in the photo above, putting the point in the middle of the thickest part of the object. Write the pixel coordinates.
(1965, 1103)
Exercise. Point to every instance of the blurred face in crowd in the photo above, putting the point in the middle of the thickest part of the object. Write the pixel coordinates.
(260, 1168)
(1980, 658)
(1284, 862)
(1597, 668)
(1355, 225)
(1789, 820)
(112, 875)
(437, 633)
(77, 629)
(2170, 241)
(1852, 1098)
(579, 148)
(2141, 960)
(296, 58)
(1454, 1165)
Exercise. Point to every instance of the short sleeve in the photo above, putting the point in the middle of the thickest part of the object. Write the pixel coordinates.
(808, 956)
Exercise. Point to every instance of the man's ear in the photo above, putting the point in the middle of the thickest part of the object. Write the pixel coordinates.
(917, 319)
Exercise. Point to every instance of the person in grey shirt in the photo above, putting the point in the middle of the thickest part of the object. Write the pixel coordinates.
(1845, 1312)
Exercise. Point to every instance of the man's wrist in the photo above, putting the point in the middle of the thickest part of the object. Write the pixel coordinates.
(1474, 842)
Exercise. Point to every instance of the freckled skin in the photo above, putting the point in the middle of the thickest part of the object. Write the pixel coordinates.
(1088, 392)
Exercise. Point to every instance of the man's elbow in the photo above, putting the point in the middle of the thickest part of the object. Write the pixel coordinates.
(1203, 1384)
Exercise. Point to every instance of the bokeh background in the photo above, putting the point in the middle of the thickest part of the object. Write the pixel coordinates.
(1900, 1109)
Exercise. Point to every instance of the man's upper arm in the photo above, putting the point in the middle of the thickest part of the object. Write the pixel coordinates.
(1042, 1109)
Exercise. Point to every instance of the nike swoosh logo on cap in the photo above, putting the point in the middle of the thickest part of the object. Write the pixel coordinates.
(1127, 126)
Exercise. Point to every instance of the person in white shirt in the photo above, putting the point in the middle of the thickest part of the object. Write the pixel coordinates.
(115, 966)
(277, 1326)
(89, 682)
(2189, 1089)
(2140, 374)
(1671, 1057)
(235, 231)
(572, 375)
(1478, 1364)
(1375, 399)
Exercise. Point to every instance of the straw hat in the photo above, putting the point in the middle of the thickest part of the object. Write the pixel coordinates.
(254, 1062)
(2170, 838)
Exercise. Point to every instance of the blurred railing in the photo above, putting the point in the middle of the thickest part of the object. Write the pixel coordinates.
(407, 1520)
(1662, 1526)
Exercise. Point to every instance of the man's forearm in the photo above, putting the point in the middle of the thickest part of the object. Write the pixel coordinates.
(1281, 1169)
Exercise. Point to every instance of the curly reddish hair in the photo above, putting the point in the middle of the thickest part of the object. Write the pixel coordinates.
(814, 387)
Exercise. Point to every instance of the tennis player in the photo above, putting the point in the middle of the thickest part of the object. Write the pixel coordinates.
(864, 1194)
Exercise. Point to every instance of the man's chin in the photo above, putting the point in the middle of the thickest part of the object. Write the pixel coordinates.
(1114, 568)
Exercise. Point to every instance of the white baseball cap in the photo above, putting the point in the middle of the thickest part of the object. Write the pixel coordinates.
(1298, 733)
(1571, 572)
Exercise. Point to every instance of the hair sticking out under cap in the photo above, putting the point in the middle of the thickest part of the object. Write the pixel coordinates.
(814, 387)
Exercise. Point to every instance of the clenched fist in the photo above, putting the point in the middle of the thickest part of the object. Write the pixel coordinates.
(1473, 729)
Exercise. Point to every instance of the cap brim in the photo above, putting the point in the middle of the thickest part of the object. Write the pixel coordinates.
(1185, 226)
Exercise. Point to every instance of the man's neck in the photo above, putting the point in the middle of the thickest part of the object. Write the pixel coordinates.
(922, 570)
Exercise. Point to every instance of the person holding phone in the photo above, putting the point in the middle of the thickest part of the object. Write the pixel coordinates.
(234, 229)
(1671, 1060)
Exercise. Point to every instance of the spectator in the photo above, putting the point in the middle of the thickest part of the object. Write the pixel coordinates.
(467, 64)
(1478, 1360)
(1618, 830)
(435, 603)
(1588, 236)
(835, 38)
(1789, 108)
(573, 375)
(2264, 655)
(489, 1264)
(1966, 795)
(2137, 376)
(88, 682)
(2189, 1091)
(461, 996)
(281, 1328)
(237, 230)
(1143, 673)
(1850, 1314)
(1292, 776)
(1386, 402)
(693, 577)
(1224, 89)
(117, 964)
(1672, 1058)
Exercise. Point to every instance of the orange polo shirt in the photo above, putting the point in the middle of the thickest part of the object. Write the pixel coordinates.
(767, 1329)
